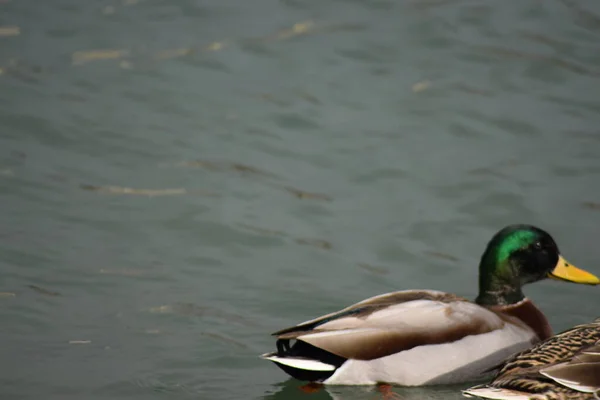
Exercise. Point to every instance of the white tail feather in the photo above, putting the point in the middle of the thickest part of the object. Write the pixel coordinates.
(301, 363)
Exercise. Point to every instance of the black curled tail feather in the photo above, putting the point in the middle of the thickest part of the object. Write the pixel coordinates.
(302, 349)
(283, 347)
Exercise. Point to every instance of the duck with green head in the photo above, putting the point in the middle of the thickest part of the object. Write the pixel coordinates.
(428, 337)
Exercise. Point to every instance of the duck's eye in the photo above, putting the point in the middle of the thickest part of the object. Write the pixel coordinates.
(537, 245)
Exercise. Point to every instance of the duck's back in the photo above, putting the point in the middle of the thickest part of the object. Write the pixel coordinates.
(410, 337)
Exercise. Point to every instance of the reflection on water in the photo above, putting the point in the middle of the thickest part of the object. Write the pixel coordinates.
(292, 389)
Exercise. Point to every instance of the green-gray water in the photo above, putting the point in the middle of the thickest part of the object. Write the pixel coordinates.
(179, 179)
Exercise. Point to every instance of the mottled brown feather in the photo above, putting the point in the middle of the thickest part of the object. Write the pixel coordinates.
(573, 355)
(559, 348)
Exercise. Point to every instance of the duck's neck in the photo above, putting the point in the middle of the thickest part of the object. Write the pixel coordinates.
(499, 284)
(500, 291)
(499, 295)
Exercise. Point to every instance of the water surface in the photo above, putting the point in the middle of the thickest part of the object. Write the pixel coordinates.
(179, 179)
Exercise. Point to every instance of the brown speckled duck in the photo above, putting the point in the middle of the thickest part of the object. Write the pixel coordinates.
(564, 367)
(427, 337)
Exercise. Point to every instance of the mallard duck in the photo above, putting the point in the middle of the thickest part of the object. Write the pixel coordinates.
(427, 337)
(564, 367)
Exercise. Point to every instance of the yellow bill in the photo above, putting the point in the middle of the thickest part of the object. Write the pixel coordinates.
(568, 272)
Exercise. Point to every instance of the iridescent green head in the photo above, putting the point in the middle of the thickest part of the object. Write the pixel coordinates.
(521, 254)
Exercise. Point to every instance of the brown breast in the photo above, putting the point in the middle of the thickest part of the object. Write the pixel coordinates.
(527, 312)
